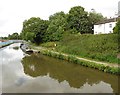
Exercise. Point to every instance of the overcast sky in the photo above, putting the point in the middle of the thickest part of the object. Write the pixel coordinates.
(14, 12)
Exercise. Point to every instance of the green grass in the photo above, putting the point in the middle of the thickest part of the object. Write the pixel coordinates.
(49, 44)
(73, 59)
(97, 47)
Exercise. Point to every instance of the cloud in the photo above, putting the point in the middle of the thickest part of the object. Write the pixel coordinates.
(14, 12)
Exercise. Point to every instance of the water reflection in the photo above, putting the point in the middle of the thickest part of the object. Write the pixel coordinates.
(40, 73)
(47, 84)
(10, 62)
(76, 75)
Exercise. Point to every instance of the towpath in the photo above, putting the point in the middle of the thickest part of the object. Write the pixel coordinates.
(84, 59)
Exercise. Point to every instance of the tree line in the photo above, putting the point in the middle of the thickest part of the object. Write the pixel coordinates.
(14, 36)
(77, 20)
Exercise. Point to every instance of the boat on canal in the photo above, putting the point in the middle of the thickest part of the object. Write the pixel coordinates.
(25, 48)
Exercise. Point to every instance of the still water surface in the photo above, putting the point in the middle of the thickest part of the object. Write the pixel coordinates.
(38, 73)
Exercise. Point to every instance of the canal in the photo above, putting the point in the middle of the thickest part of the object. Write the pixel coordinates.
(22, 73)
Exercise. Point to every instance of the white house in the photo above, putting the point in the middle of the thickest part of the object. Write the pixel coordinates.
(105, 27)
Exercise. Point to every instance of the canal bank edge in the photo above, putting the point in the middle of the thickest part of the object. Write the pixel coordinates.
(108, 68)
(5, 45)
(11, 42)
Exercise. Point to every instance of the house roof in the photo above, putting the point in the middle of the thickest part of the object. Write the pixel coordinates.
(107, 21)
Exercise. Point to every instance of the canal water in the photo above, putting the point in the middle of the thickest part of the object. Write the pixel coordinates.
(22, 73)
(5, 43)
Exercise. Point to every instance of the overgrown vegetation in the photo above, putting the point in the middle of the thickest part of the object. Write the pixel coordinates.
(99, 47)
(77, 20)
(71, 32)
(117, 31)
(14, 36)
(16, 47)
(74, 59)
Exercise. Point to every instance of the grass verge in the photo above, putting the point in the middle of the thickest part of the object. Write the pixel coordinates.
(73, 59)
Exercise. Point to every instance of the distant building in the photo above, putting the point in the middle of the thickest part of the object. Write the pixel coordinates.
(105, 27)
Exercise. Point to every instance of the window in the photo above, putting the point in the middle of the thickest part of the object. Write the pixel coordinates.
(110, 25)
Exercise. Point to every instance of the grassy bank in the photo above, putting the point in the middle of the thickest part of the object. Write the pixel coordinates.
(97, 47)
(74, 59)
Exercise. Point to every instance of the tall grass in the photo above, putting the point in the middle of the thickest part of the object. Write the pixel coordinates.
(99, 47)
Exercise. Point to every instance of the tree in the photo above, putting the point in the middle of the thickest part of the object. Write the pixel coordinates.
(30, 26)
(14, 36)
(56, 26)
(116, 30)
(34, 29)
(40, 35)
(117, 27)
(94, 18)
(78, 19)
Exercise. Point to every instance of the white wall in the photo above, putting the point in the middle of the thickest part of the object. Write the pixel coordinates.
(104, 28)
(109, 29)
(99, 29)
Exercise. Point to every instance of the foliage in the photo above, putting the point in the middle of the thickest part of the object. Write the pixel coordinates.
(94, 17)
(29, 36)
(117, 31)
(34, 30)
(74, 59)
(99, 47)
(117, 27)
(14, 36)
(49, 44)
(4, 38)
(73, 31)
(78, 19)
(56, 27)
(16, 48)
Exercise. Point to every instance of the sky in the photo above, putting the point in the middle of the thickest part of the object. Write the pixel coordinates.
(14, 12)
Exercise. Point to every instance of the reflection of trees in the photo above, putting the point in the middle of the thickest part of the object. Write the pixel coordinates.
(76, 75)
(16, 48)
